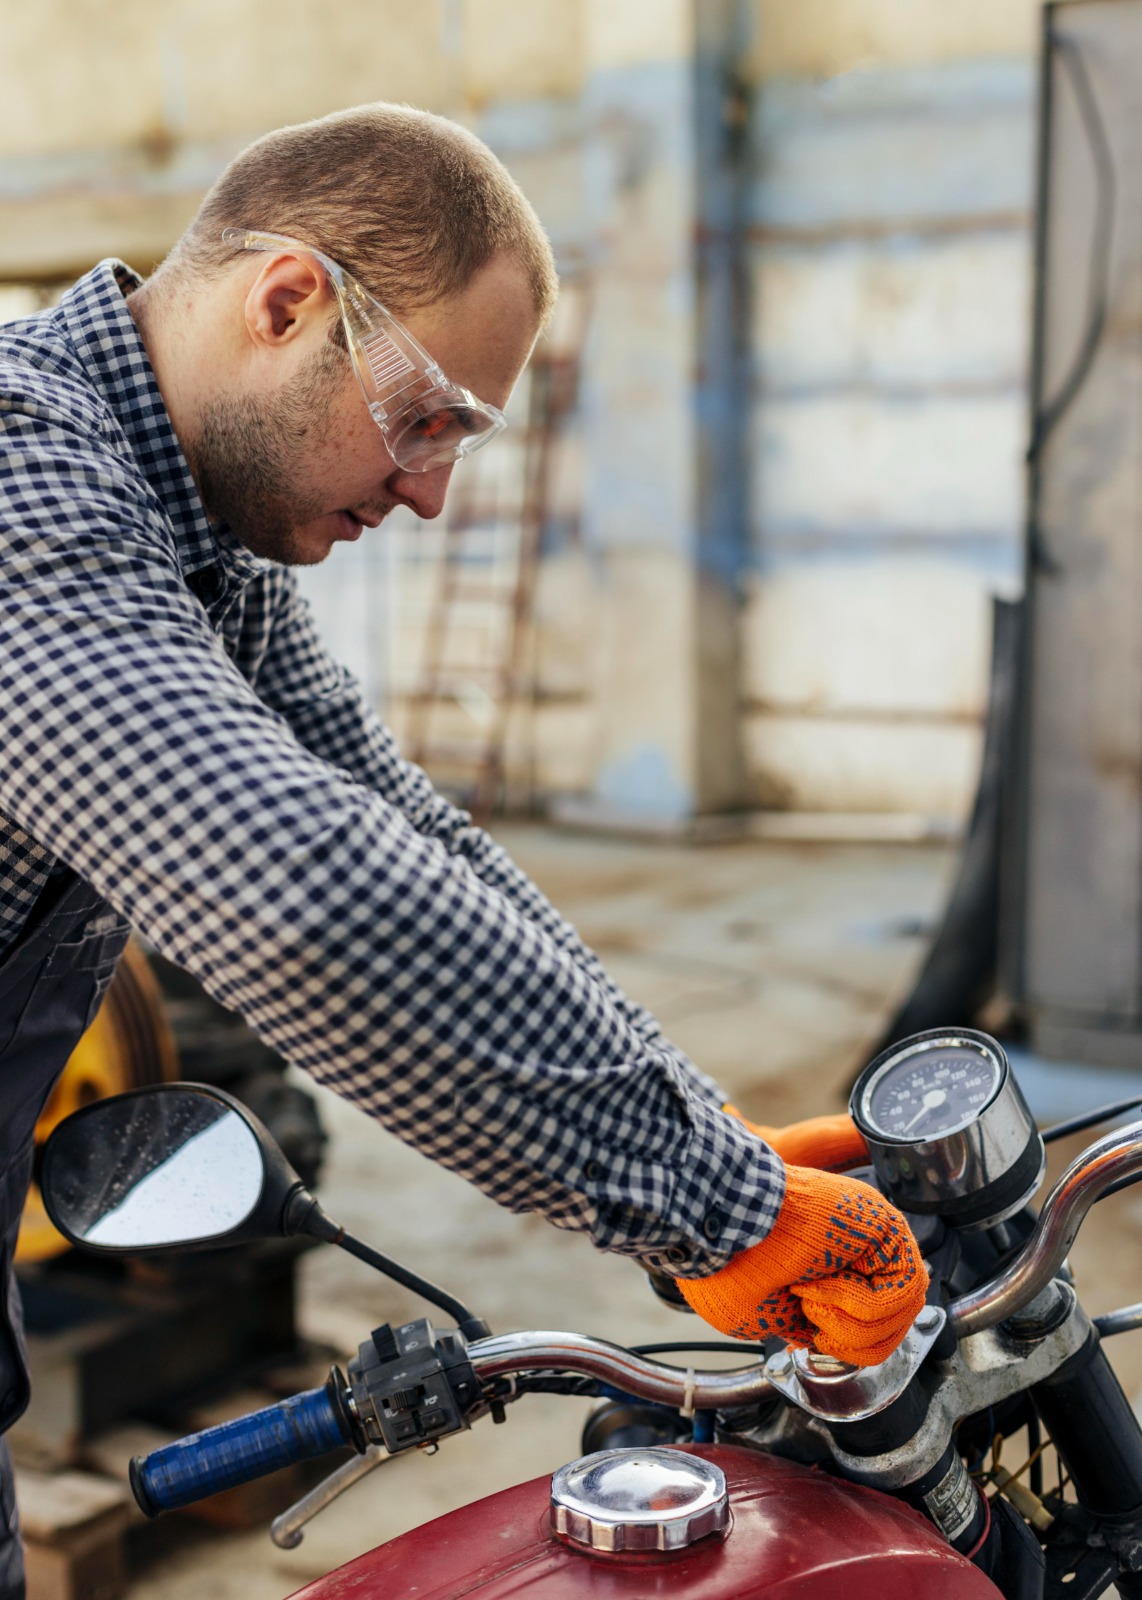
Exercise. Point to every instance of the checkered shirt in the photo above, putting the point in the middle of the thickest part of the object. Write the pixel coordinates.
(173, 730)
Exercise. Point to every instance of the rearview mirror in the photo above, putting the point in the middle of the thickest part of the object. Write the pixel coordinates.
(169, 1167)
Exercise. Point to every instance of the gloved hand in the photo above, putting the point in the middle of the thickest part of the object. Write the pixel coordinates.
(839, 1269)
(829, 1143)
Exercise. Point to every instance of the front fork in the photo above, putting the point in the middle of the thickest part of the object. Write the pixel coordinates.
(1096, 1433)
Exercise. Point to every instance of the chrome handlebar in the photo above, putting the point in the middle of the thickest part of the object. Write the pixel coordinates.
(1115, 1157)
(688, 1391)
(1110, 1160)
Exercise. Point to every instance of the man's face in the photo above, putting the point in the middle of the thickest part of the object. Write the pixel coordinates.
(296, 467)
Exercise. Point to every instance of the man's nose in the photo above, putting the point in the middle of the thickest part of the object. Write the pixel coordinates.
(424, 492)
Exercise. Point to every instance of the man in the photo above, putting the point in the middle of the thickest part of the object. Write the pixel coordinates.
(345, 319)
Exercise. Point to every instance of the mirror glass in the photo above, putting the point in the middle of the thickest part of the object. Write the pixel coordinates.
(161, 1167)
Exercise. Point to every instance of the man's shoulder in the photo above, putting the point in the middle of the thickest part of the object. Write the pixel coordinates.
(71, 487)
(42, 379)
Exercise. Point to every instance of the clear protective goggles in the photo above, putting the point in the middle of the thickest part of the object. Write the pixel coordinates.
(427, 420)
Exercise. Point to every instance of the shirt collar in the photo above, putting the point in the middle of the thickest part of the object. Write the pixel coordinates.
(107, 341)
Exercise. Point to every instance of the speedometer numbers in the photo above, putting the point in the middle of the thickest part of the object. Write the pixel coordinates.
(935, 1094)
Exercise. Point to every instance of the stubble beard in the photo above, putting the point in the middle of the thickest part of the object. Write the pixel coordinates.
(245, 455)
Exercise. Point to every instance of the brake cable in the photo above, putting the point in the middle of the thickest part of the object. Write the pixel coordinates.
(1089, 1119)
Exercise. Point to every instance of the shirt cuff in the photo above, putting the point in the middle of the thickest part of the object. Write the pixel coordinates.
(728, 1188)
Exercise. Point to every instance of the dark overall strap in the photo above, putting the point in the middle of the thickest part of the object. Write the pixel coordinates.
(51, 983)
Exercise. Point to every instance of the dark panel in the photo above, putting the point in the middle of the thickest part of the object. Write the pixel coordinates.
(1074, 952)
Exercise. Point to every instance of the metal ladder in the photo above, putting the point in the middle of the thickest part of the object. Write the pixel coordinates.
(494, 598)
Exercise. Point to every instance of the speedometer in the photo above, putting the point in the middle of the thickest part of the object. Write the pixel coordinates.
(948, 1129)
(933, 1091)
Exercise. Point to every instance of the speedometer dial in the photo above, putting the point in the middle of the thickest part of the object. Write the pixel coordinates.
(947, 1129)
(942, 1090)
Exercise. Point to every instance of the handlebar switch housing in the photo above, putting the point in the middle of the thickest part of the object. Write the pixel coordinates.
(411, 1385)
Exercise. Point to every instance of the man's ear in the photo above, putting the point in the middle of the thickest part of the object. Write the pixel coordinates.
(284, 299)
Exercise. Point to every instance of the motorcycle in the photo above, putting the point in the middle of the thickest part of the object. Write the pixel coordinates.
(792, 1476)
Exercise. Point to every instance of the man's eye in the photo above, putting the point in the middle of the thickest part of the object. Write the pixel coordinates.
(432, 426)
(459, 419)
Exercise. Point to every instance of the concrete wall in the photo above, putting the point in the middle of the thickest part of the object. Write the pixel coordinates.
(822, 644)
(891, 275)
(109, 136)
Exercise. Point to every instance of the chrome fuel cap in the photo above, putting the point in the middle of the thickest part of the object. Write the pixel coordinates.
(652, 1499)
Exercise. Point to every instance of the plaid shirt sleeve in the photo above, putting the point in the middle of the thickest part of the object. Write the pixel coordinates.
(316, 885)
(323, 704)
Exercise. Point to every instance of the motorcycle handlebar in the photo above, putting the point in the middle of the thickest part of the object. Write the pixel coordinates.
(314, 1423)
(1113, 1159)
(305, 1425)
(686, 1391)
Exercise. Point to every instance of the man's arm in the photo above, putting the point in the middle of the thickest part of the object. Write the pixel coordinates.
(356, 944)
(323, 704)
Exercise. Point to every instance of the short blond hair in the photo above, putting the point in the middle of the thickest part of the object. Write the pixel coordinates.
(411, 204)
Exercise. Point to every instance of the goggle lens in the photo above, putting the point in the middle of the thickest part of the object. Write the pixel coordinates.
(433, 437)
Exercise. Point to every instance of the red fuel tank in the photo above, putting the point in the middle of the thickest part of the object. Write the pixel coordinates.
(796, 1534)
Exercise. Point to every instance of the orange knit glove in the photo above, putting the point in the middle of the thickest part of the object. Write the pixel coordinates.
(830, 1144)
(839, 1270)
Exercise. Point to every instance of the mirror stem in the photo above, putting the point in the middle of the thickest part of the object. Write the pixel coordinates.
(303, 1214)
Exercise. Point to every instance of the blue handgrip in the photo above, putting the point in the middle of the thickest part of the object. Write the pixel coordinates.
(203, 1463)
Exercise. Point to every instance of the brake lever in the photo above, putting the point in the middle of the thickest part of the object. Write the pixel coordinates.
(286, 1529)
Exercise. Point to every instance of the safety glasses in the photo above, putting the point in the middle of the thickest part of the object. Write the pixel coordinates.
(427, 420)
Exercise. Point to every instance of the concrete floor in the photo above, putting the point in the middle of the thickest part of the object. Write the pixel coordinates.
(774, 967)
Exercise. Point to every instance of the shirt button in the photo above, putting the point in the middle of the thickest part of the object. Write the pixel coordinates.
(712, 1224)
(676, 1254)
(593, 1170)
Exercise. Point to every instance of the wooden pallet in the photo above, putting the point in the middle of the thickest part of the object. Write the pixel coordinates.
(74, 1525)
(75, 1522)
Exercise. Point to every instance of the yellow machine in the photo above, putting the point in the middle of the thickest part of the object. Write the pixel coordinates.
(129, 1044)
